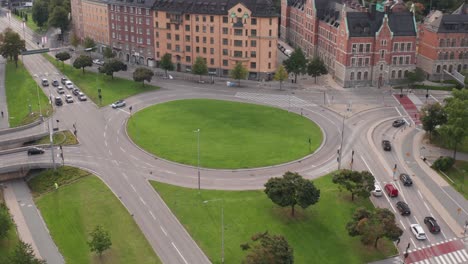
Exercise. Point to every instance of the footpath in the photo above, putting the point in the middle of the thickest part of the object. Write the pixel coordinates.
(4, 123)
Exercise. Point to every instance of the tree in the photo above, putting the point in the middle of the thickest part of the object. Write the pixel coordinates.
(40, 12)
(268, 249)
(296, 64)
(11, 45)
(239, 72)
(415, 76)
(5, 221)
(74, 40)
(111, 66)
(108, 53)
(373, 225)
(89, 43)
(62, 56)
(24, 254)
(280, 75)
(83, 61)
(432, 116)
(199, 67)
(100, 240)
(292, 189)
(59, 19)
(166, 63)
(142, 74)
(316, 67)
(358, 183)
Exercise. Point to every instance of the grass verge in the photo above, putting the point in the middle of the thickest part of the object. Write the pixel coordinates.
(7, 244)
(30, 23)
(438, 141)
(89, 82)
(232, 134)
(63, 138)
(73, 211)
(317, 233)
(458, 173)
(21, 92)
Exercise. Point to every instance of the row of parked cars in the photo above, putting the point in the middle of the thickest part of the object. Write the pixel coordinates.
(60, 90)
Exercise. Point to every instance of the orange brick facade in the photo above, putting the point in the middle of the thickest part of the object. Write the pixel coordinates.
(96, 21)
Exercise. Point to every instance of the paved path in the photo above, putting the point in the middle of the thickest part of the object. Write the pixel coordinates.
(3, 106)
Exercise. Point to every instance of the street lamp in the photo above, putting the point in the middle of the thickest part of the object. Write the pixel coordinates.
(198, 156)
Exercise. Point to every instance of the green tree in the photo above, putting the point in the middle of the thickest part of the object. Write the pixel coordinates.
(316, 67)
(142, 74)
(373, 225)
(239, 72)
(5, 221)
(296, 63)
(62, 56)
(268, 249)
(108, 53)
(199, 67)
(89, 43)
(24, 254)
(280, 75)
(414, 77)
(59, 18)
(111, 66)
(11, 45)
(357, 183)
(74, 40)
(100, 240)
(40, 12)
(291, 190)
(166, 63)
(83, 61)
(432, 116)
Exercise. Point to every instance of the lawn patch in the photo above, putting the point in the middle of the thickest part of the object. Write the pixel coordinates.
(7, 244)
(317, 233)
(439, 142)
(75, 209)
(21, 92)
(458, 174)
(232, 134)
(63, 138)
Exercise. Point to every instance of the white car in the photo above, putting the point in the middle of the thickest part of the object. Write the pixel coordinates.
(418, 232)
(98, 62)
(82, 96)
(68, 98)
(69, 85)
(60, 90)
(377, 192)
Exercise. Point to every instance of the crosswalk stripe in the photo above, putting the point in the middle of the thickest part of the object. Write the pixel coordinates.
(450, 255)
(437, 260)
(461, 255)
(456, 256)
(464, 253)
(426, 261)
(447, 258)
(442, 259)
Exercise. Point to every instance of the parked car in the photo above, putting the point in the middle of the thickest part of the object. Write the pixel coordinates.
(69, 85)
(60, 90)
(119, 103)
(76, 91)
(391, 190)
(377, 192)
(63, 80)
(406, 179)
(98, 62)
(55, 83)
(45, 82)
(82, 96)
(399, 123)
(418, 232)
(386, 145)
(432, 224)
(58, 101)
(35, 151)
(403, 208)
(68, 98)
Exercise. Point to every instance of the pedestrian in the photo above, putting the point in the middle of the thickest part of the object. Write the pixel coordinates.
(2, 114)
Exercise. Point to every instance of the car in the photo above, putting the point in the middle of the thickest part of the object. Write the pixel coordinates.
(76, 91)
(391, 190)
(60, 90)
(386, 145)
(45, 82)
(418, 232)
(119, 103)
(82, 96)
(55, 83)
(377, 192)
(68, 98)
(63, 80)
(406, 179)
(399, 123)
(69, 85)
(432, 224)
(403, 208)
(35, 151)
(288, 52)
(58, 101)
(98, 62)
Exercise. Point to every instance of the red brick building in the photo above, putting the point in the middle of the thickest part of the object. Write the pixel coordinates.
(443, 43)
(360, 46)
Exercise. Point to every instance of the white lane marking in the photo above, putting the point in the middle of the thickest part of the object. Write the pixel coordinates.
(104, 133)
(123, 149)
(464, 253)
(169, 172)
(427, 207)
(434, 98)
(125, 175)
(459, 206)
(105, 128)
(141, 199)
(152, 215)
(105, 142)
(420, 195)
(149, 165)
(402, 224)
(133, 157)
(180, 254)
(164, 231)
(115, 162)
(133, 187)
(396, 108)
(123, 110)
(443, 234)
(412, 241)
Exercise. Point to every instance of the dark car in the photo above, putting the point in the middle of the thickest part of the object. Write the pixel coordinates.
(386, 145)
(35, 151)
(431, 224)
(63, 80)
(398, 123)
(403, 208)
(55, 83)
(45, 82)
(406, 179)
(76, 91)
(58, 101)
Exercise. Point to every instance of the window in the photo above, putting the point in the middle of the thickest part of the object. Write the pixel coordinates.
(366, 61)
(238, 43)
(253, 65)
(225, 63)
(351, 76)
(452, 55)
(354, 48)
(408, 46)
(407, 60)
(204, 18)
(225, 30)
(353, 61)
(211, 29)
(177, 38)
(225, 52)
(361, 48)
(381, 67)
(382, 54)
(169, 46)
(253, 21)
(197, 39)
(393, 74)
(402, 46)
(368, 47)
(438, 69)
(168, 26)
(359, 76)
(225, 19)
(359, 62)
(197, 18)
(204, 29)
(400, 60)
(238, 32)
(454, 41)
(187, 48)
(399, 74)
(395, 46)
(204, 40)
(238, 54)
(177, 48)
(253, 54)
(197, 29)
(211, 19)
(225, 41)
(187, 27)
(269, 31)
(168, 35)
(204, 50)
(269, 54)
(187, 59)
(211, 51)
(197, 49)
(253, 43)
(383, 42)
(253, 32)
(366, 75)
(187, 37)
(211, 61)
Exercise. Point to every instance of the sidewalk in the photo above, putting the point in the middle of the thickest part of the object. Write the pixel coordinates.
(4, 123)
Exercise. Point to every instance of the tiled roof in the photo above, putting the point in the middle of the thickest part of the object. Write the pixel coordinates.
(135, 3)
(362, 24)
(457, 22)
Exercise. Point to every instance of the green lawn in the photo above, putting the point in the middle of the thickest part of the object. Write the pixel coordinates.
(8, 243)
(459, 174)
(317, 233)
(22, 91)
(60, 138)
(232, 134)
(111, 89)
(438, 141)
(30, 23)
(82, 202)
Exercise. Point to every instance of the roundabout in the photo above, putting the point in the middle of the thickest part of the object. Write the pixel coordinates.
(232, 135)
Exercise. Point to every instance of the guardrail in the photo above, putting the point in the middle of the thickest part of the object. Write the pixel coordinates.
(16, 129)
(23, 139)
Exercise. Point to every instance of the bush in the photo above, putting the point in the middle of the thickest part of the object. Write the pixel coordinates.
(443, 163)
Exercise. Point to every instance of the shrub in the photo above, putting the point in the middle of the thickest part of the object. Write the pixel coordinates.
(443, 163)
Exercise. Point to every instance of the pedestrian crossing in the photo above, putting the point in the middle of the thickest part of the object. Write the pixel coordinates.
(451, 251)
(455, 257)
(283, 101)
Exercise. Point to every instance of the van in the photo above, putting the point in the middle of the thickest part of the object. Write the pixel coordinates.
(391, 190)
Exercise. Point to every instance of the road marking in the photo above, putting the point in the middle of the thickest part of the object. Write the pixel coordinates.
(420, 195)
(170, 172)
(133, 187)
(459, 206)
(109, 152)
(425, 204)
(123, 110)
(149, 165)
(123, 149)
(152, 215)
(164, 231)
(403, 225)
(115, 162)
(105, 142)
(125, 175)
(180, 254)
(133, 157)
(105, 128)
(141, 199)
(434, 98)
(104, 133)
(396, 108)
(412, 241)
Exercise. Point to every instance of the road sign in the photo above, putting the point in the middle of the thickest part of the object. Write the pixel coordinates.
(37, 51)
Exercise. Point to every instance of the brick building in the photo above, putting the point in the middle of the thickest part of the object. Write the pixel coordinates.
(443, 43)
(77, 18)
(371, 46)
(96, 21)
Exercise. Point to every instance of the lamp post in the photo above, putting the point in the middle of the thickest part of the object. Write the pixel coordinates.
(198, 156)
